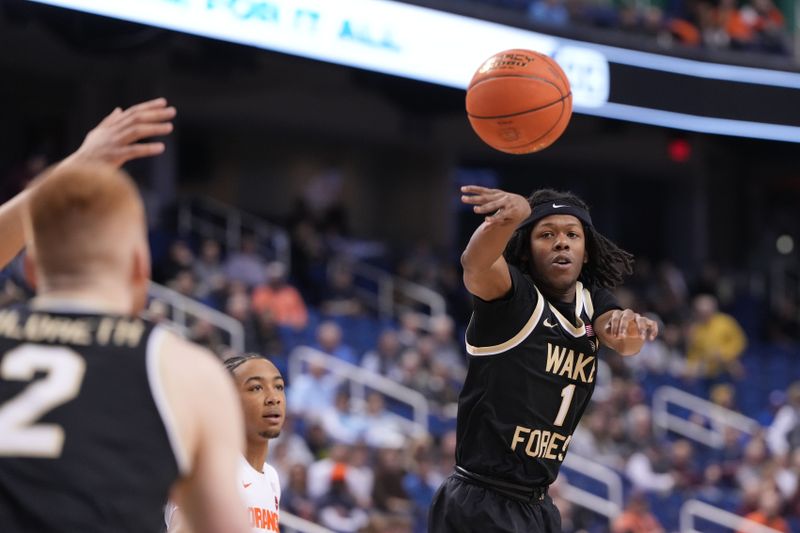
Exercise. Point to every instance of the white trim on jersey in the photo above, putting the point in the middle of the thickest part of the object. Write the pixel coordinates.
(587, 303)
(159, 397)
(517, 339)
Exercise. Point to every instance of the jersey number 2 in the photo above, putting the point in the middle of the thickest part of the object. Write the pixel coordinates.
(20, 436)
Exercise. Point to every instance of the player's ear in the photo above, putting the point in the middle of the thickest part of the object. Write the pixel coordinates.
(29, 267)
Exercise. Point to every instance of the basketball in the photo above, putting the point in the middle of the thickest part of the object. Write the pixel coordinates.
(519, 101)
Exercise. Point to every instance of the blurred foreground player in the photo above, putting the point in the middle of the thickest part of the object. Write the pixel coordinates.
(101, 412)
(540, 274)
(262, 395)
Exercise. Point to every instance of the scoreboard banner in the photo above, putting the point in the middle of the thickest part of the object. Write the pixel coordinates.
(443, 48)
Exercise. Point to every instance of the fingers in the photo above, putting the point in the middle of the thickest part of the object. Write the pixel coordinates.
(476, 189)
(490, 207)
(111, 117)
(138, 151)
(149, 104)
(627, 324)
(138, 132)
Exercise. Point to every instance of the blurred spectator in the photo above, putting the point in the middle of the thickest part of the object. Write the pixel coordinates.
(238, 307)
(389, 494)
(339, 298)
(448, 351)
(360, 475)
(340, 423)
(549, 12)
(246, 265)
(329, 340)
(208, 269)
(768, 513)
(783, 435)
(338, 509)
(636, 518)
(295, 497)
(420, 484)
(312, 392)
(716, 341)
(683, 469)
(410, 328)
(379, 424)
(385, 357)
(755, 462)
(648, 470)
(184, 283)
(267, 335)
(281, 299)
(180, 257)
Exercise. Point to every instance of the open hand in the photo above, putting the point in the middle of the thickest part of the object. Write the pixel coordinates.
(500, 207)
(115, 141)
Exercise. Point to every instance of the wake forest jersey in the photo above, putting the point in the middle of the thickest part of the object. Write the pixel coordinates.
(83, 445)
(532, 370)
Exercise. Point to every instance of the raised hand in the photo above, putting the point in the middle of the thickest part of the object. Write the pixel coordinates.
(499, 207)
(115, 141)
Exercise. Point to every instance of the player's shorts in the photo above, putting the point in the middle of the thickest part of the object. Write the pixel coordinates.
(464, 504)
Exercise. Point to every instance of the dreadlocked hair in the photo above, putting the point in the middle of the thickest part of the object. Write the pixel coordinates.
(232, 363)
(608, 263)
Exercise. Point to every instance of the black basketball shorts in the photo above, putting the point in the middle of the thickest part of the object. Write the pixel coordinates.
(463, 507)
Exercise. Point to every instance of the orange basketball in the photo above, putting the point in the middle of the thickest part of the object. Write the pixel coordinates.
(519, 101)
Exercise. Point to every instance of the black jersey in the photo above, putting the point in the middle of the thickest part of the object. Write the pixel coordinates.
(84, 439)
(532, 370)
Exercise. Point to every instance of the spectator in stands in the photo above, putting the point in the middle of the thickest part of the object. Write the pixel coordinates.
(410, 329)
(280, 298)
(389, 495)
(360, 475)
(340, 422)
(648, 469)
(238, 307)
(783, 435)
(268, 337)
(329, 340)
(683, 468)
(420, 484)
(180, 257)
(448, 351)
(246, 265)
(184, 283)
(338, 509)
(289, 449)
(379, 424)
(339, 298)
(549, 12)
(716, 342)
(312, 392)
(295, 497)
(636, 518)
(384, 359)
(208, 270)
(768, 513)
(755, 462)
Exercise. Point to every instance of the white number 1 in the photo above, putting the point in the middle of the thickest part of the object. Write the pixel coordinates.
(566, 400)
(20, 436)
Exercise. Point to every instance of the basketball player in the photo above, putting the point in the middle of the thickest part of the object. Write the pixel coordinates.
(540, 274)
(261, 393)
(114, 141)
(101, 413)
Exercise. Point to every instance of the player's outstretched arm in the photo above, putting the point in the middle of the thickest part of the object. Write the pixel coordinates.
(208, 421)
(486, 273)
(625, 331)
(114, 141)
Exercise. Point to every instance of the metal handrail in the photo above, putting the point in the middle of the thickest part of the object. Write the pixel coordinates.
(609, 506)
(663, 420)
(294, 524)
(236, 222)
(361, 378)
(183, 307)
(384, 297)
(696, 508)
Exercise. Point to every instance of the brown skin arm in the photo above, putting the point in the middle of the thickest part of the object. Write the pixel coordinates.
(486, 273)
(114, 141)
(625, 331)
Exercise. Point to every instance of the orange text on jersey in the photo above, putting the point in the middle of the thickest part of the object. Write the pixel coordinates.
(263, 519)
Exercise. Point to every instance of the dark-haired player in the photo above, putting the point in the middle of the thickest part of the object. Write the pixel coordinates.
(540, 273)
(261, 392)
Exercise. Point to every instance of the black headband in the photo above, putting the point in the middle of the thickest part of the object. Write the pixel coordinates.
(556, 208)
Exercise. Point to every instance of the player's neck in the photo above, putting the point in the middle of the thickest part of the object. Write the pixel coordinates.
(561, 296)
(256, 454)
(98, 296)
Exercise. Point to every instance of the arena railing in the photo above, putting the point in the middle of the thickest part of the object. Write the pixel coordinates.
(181, 310)
(693, 509)
(359, 380)
(609, 506)
(216, 220)
(384, 297)
(719, 417)
(294, 524)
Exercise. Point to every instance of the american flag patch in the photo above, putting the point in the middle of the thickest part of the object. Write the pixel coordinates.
(589, 330)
